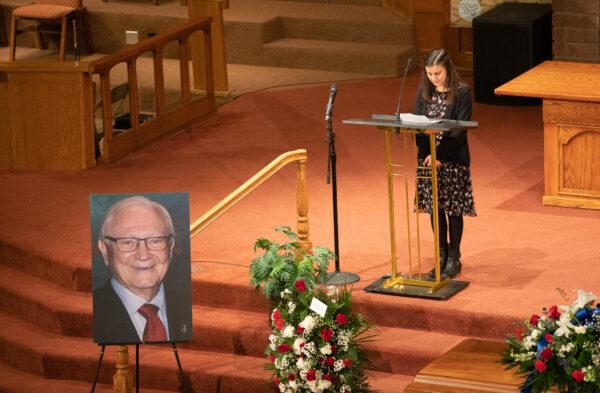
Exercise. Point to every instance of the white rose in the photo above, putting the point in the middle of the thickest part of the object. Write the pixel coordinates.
(282, 387)
(326, 349)
(323, 384)
(308, 324)
(580, 329)
(288, 331)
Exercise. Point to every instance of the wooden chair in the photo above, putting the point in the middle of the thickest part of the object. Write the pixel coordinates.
(43, 11)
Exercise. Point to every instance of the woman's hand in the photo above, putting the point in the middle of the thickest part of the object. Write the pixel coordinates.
(427, 162)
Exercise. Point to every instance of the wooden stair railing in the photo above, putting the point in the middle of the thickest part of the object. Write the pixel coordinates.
(300, 156)
(122, 380)
(165, 120)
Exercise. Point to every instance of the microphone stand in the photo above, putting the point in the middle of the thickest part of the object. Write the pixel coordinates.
(337, 277)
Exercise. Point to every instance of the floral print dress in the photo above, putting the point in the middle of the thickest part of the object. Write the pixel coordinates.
(455, 190)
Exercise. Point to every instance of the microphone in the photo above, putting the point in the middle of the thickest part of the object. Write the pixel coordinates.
(329, 107)
(401, 90)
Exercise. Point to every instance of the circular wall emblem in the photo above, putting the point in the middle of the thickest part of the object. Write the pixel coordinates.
(469, 9)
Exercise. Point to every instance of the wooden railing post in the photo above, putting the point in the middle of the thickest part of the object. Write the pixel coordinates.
(214, 9)
(302, 207)
(122, 380)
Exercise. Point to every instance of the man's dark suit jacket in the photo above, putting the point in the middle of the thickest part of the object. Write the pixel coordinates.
(112, 324)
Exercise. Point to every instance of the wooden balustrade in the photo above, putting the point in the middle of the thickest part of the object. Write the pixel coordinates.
(164, 121)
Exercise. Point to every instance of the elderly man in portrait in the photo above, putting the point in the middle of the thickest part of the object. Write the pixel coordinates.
(135, 305)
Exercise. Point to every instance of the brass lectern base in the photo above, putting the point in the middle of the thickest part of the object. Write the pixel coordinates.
(446, 292)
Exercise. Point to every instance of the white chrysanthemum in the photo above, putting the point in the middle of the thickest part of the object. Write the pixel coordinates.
(293, 385)
(323, 384)
(332, 290)
(311, 348)
(326, 349)
(285, 293)
(303, 374)
(297, 346)
(277, 363)
(291, 306)
(584, 298)
(288, 331)
(273, 346)
(285, 362)
(282, 387)
(338, 365)
(345, 388)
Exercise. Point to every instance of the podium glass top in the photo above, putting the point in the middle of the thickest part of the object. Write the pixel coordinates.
(390, 121)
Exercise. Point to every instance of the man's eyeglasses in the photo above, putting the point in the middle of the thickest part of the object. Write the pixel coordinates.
(128, 244)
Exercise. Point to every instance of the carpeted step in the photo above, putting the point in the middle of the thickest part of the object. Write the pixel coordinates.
(13, 381)
(334, 55)
(50, 356)
(231, 331)
(349, 2)
(24, 347)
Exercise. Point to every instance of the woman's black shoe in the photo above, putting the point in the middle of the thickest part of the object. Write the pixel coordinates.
(453, 264)
(443, 259)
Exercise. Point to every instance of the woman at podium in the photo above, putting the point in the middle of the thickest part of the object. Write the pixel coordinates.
(443, 95)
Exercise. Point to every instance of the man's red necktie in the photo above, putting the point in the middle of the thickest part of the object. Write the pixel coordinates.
(154, 330)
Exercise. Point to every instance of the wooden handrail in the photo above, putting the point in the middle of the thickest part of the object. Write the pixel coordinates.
(149, 44)
(163, 120)
(300, 156)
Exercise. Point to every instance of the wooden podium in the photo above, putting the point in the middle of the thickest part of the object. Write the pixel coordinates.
(413, 283)
(571, 115)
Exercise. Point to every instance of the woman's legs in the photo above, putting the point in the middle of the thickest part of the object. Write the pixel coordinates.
(453, 265)
(443, 242)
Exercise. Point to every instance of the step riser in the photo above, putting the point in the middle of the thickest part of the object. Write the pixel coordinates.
(56, 272)
(349, 2)
(347, 31)
(325, 60)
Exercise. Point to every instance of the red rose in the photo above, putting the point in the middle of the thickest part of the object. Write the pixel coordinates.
(330, 361)
(578, 375)
(283, 348)
(276, 380)
(341, 319)
(328, 377)
(301, 345)
(333, 349)
(540, 366)
(300, 330)
(272, 358)
(534, 319)
(291, 377)
(347, 363)
(519, 332)
(276, 315)
(546, 353)
(326, 334)
(311, 375)
(279, 324)
(321, 360)
(549, 337)
(300, 285)
(554, 313)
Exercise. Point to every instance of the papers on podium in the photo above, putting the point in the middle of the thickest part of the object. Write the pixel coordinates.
(418, 119)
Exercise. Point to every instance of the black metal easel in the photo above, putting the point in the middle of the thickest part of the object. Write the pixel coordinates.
(183, 387)
(337, 277)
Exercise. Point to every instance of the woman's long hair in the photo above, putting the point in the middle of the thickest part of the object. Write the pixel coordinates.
(453, 81)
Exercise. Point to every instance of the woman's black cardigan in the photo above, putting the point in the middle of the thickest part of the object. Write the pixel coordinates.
(454, 146)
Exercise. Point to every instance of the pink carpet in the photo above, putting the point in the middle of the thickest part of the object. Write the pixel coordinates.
(516, 253)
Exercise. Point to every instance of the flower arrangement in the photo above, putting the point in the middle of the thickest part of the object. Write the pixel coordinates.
(312, 348)
(561, 347)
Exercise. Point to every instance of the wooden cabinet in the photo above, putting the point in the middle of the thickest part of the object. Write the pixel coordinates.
(571, 115)
(45, 116)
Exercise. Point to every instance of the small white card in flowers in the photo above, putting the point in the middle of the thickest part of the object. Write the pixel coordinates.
(318, 306)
